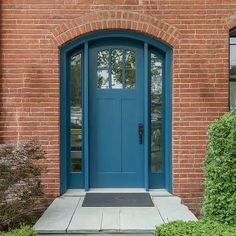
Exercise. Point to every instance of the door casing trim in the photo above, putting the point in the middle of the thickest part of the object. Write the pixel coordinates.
(82, 42)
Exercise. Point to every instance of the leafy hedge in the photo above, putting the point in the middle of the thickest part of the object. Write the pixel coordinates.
(24, 231)
(21, 195)
(220, 171)
(192, 228)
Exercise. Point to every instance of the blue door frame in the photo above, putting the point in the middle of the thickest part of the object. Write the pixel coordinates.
(81, 180)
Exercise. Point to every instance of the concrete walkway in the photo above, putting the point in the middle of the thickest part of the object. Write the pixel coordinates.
(66, 216)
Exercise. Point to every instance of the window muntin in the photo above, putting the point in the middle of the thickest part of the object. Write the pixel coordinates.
(156, 73)
(232, 72)
(76, 112)
(116, 69)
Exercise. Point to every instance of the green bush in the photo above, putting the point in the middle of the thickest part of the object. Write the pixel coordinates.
(198, 228)
(21, 195)
(220, 171)
(24, 231)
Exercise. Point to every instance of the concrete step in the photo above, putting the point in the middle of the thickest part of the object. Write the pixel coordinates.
(66, 216)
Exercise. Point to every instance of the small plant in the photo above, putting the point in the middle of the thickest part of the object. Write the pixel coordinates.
(24, 231)
(195, 228)
(220, 171)
(21, 195)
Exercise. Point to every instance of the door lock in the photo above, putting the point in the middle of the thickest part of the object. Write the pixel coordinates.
(140, 132)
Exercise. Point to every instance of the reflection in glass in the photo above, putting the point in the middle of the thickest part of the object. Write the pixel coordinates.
(116, 69)
(103, 59)
(232, 95)
(130, 59)
(233, 55)
(102, 79)
(117, 58)
(232, 72)
(76, 112)
(130, 78)
(116, 73)
(232, 35)
(233, 40)
(233, 62)
(130, 69)
(156, 111)
(116, 78)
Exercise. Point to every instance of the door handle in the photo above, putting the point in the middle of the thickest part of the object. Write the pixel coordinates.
(140, 133)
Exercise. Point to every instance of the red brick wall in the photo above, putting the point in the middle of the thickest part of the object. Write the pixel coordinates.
(32, 31)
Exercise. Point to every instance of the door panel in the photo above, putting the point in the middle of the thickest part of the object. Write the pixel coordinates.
(130, 122)
(106, 144)
(115, 110)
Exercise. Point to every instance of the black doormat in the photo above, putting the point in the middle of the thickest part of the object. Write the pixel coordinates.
(117, 200)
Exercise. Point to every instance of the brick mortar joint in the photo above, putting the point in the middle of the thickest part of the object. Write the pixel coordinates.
(100, 21)
(132, 16)
(230, 21)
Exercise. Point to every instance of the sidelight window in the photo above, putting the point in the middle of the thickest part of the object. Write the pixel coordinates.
(156, 112)
(76, 112)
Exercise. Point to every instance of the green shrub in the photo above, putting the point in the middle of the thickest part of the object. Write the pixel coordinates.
(24, 231)
(220, 171)
(21, 195)
(198, 228)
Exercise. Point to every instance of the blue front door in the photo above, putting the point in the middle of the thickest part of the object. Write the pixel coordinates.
(116, 148)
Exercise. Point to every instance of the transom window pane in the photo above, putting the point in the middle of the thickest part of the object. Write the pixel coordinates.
(156, 113)
(76, 112)
(232, 86)
(116, 69)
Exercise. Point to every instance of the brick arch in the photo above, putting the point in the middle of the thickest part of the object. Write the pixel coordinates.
(102, 20)
(231, 22)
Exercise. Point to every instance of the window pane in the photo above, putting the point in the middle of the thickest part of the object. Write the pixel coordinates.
(103, 59)
(156, 113)
(130, 59)
(116, 73)
(102, 79)
(130, 78)
(233, 62)
(116, 58)
(232, 72)
(76, 113)
(232, 95)
(232, 35)
(116, 78)
(130, 69)
(233, 40)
